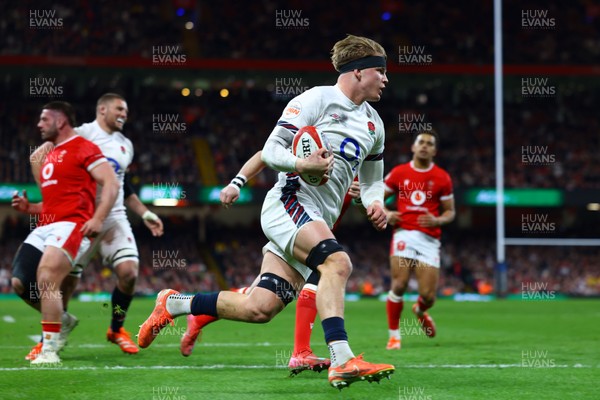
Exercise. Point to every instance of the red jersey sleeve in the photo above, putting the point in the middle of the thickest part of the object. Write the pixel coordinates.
(447, 190)
(392, 180)
(91, 155)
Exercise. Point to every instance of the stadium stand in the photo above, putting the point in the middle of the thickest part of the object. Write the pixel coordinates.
(236, 130)
(459, 107)
(450, 35)
(467, 262)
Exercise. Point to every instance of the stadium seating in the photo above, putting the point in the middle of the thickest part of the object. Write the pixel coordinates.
(458, 106)
(467, 262)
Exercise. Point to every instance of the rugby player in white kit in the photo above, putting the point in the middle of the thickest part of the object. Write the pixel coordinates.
(297, 218)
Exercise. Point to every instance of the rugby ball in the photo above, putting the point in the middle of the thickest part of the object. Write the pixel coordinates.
(306, 141)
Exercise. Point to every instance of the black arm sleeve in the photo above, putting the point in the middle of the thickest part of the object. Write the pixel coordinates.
(127, 187)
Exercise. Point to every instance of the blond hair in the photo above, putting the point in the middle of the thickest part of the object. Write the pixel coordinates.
(352, 48)
(107, 98)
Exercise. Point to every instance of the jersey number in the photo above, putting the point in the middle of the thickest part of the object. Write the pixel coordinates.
(115, 164)
(346, 146)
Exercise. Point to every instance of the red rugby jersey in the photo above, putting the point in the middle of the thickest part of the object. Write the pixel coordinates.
(68, 189)
(417, 191)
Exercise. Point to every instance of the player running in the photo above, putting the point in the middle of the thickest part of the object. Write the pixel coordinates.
(69, 176)
(115, 243)
(422, 189)
(302, 358)
(297, 218)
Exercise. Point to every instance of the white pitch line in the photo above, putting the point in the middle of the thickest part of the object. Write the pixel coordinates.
(467, 366)
(36, 338)
(265, 344)
(9, 319)
(144, 367)
(222, 366)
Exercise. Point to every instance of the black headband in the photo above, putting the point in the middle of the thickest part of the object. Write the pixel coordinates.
(362, 63)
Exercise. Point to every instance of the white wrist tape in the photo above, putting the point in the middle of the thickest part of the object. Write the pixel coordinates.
(149, 216)
(239, 181)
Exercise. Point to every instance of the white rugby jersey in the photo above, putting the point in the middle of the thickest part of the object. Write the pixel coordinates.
(356, 134)
(118, 150)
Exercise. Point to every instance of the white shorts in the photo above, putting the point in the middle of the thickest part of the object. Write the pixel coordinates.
(115, 243)
(281, 218)
(416, 245)
(65, 235)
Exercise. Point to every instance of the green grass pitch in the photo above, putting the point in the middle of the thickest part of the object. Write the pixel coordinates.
(495, 350)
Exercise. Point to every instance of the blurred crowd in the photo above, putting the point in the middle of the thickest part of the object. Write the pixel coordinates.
(459, 107)
(549, 143)
(159, 158)
(180, 261)
(536, 32)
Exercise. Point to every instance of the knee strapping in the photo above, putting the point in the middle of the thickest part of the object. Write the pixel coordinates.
(276, 284)
(320, 252)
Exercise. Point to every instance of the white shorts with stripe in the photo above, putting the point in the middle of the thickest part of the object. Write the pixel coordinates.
(65, 235)
(416, 245)
(115, 243)
(282, 216)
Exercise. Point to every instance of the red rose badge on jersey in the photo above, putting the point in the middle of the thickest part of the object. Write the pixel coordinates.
(371, 127)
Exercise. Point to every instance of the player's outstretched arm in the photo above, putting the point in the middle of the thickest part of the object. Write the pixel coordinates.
(36, 159)
(151, 220)
(133, 202)
(104, 175)
(231, 193)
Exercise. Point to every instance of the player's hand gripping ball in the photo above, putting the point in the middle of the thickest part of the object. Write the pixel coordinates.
(306, 141)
